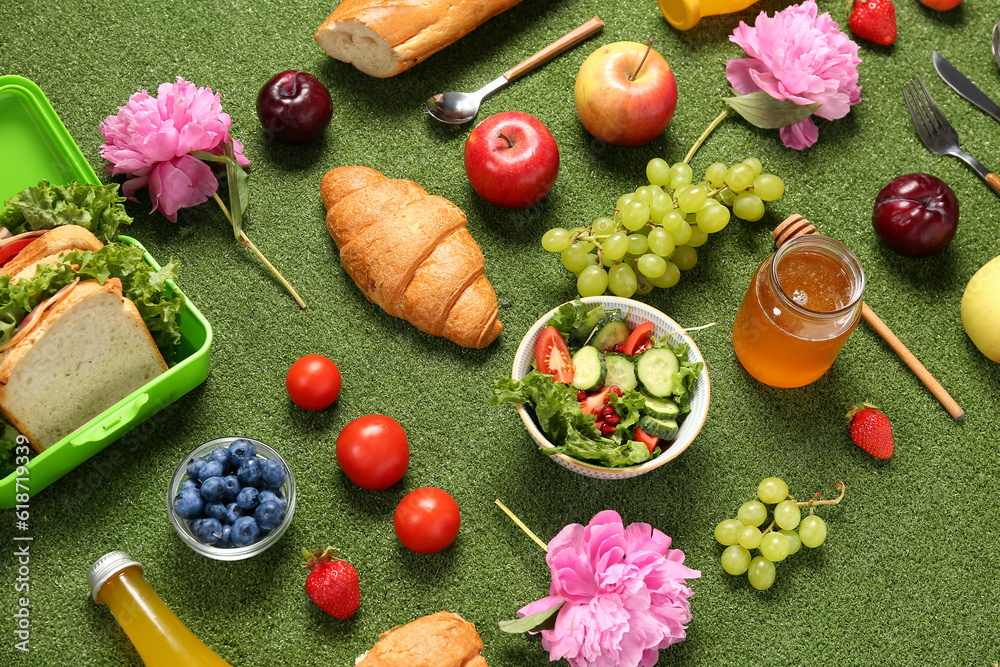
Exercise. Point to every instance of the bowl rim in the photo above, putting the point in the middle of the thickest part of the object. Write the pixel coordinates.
(230, 553)
(536, 433)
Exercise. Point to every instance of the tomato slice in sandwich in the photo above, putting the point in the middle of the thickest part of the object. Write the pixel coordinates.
(552, 356)
(9, 251)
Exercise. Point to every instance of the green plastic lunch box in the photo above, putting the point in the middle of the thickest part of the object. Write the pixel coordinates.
(34, 144)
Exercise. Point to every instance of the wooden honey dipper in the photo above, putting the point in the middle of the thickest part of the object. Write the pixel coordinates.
(796, 225)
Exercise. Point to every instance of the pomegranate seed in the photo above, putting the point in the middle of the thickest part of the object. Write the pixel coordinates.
(614, 420)
(581, 395)
(607, 411)
(619, 348)
(607, 429)
(617, 390)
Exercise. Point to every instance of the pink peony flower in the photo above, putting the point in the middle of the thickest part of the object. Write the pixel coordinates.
(801, 57)
(150, 139)
(622, 591)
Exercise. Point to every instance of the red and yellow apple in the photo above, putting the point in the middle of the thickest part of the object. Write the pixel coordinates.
(511, 160)
(625, 93)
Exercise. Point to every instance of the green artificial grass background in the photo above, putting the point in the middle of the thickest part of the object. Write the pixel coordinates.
(909, 572)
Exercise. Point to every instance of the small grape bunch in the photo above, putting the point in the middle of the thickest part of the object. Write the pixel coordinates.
(655, 230)
(778, 540)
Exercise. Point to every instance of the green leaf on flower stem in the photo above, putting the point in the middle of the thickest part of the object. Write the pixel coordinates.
(764, 111)
(239, 192)
(543, 620)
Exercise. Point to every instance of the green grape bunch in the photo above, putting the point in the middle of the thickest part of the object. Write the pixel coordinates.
(654, 232)
(787, 532)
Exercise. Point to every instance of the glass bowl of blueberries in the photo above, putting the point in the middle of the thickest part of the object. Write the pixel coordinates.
(231, 498)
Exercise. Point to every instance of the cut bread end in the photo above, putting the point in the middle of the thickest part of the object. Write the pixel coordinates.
(353, 42)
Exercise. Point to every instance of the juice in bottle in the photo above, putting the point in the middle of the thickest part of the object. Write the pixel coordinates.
(161, 639)
(685, 14)
(802, 304)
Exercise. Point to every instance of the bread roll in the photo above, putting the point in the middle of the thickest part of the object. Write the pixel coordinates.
(385, 37)
(443, 639)
(410, 252)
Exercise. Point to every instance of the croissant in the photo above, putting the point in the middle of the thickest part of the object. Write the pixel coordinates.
(410, 253)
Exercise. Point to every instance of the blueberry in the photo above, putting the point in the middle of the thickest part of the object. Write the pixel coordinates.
(269, 515)
(208, 531)
(220, 454)
(249, 472)
(189, 504)
(189, 485)
(269, 495)
(272, 472)
(245, 531)
(226, 540)
(194, 468)
(247, 499)
(239, 451)
(210, 469)
(232, 488)
(232, 513)
(213, 489)
(216, 510)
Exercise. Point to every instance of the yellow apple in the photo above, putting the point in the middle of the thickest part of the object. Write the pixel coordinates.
(981, 309)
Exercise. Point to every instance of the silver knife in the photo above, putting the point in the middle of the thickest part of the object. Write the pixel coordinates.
(965, 88)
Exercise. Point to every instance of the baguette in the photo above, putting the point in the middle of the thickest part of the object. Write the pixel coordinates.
(84, 354)
(410, 253)
(385, 37)
(443, 639)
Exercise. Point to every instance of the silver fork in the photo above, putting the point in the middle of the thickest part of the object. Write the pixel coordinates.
(937, 133)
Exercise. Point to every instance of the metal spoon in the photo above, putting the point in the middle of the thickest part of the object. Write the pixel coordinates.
(458, 108)
(996, 42)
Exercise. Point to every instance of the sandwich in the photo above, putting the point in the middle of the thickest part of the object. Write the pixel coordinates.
(84, 320)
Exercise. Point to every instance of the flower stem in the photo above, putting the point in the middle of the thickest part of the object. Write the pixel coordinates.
(704, 135)
(247, 242)
(521, 525)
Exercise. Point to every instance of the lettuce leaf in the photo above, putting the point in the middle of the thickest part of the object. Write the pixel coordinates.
(8, 443)
(564, 423)
(95, 207)
(143, 285)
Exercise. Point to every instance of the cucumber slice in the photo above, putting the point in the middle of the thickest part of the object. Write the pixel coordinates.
(610, 332)
(656, 369)
(581, 333)
(621, 372)
(661, 408)
(661, 428)
(589, 368)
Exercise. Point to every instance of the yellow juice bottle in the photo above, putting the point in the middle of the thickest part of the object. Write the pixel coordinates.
(685, 14)
(157, 634)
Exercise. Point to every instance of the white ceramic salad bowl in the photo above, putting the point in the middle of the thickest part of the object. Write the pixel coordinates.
(636, 313)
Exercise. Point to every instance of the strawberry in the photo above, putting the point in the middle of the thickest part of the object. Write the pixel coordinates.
(873, 20)
(871, 430)
(332, 584)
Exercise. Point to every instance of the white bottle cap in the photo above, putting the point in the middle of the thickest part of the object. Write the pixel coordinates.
(105, 567)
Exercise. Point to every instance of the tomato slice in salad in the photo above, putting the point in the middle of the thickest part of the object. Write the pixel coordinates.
(594, 403)
(9, 251)
(638, 339)
(646, 438)
(552, 355)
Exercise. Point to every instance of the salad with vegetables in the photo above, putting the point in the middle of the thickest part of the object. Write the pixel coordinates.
(602, 392)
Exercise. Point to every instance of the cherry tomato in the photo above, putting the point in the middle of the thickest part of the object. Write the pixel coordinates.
(373, 452)
(427, 520)
(941, 5)
(313, 382)
(647, 439)
(638, 339)
(552, 356)
(9, 251)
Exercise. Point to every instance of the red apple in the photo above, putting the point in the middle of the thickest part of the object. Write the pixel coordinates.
(916, 215)
(511, 160)
(624, 95)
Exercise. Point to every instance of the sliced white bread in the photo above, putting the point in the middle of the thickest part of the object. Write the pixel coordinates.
(48, 248)
(88, 351)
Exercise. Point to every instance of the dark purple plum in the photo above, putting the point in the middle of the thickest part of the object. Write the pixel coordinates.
(294, 107)
(916, 215)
